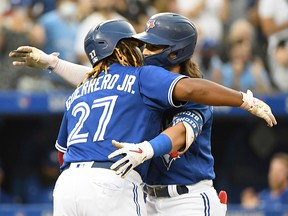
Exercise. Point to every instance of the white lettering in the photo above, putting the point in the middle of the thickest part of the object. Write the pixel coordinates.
(106, 81)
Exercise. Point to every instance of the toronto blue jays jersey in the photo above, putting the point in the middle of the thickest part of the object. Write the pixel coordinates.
(197, 163)
(126, 104)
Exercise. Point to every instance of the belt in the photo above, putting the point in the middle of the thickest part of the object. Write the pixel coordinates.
(166, 191)
(93, 164)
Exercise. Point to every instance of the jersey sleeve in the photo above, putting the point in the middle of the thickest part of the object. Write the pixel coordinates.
(157, 85)
(61, 142)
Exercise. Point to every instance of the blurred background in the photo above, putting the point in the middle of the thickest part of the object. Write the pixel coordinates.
(241, 44)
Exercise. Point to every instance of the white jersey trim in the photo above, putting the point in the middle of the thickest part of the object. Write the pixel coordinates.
(170, 92)
(60, 148)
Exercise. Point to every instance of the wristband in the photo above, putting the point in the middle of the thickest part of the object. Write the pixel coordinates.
(161, 145)
(50, 69)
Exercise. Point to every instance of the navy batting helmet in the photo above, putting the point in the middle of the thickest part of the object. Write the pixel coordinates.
(101, 40)
(175, 31)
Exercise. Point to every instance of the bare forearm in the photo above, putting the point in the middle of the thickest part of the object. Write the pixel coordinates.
(206, 92)
(177, 135)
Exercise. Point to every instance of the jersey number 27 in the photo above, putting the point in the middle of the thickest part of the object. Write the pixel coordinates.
(107, 103)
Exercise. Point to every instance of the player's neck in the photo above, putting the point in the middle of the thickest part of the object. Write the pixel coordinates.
(175, 69)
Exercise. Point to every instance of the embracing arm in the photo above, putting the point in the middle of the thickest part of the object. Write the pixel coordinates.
(176, 140)
(206, 92)
(170, 140)
(210, 93)
(35, 58)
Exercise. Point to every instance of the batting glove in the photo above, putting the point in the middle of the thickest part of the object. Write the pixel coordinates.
(258, 108)
(133, 155)
(33, 57)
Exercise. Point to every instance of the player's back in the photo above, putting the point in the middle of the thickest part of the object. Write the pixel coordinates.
(126, 104)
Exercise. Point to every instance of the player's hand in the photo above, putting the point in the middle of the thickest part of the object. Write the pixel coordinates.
(133, 155)
(33, 57)
(258, 108)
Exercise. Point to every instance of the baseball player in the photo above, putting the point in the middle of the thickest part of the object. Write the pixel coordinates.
(40, 61)
(180, 183)
(114, 91)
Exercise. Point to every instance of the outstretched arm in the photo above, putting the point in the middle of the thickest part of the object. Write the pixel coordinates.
(35, 58)
(206, 92)
(210, 93)
(195, 90)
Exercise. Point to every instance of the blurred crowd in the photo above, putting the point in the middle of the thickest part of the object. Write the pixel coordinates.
(275, 196)
(241, 44)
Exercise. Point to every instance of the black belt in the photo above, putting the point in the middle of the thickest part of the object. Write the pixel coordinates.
(96, 164)
(162, 191)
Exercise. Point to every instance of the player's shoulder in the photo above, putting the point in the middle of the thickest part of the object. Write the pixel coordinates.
(120, 69)
(152, 68)
(158, 73)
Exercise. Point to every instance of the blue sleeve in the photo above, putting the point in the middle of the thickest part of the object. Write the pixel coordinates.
(157, 85)
(61, 143)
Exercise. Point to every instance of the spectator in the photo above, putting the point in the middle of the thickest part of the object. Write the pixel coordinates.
(276, 195)
(84, 9)
(137, 12)
(261, 42)
(244, 69)
(39, 7)
(209, 15)
(14, 31)
(249, 198)
(56, 30)
(209, 60)
(102, 10)
(280, 68)
(273, 19)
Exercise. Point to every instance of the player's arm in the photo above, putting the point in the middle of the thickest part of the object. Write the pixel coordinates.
(176, 139)
(210, 93)
(35, 58)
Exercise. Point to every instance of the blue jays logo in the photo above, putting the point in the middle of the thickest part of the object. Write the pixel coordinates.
(168, 159)
(150, 24)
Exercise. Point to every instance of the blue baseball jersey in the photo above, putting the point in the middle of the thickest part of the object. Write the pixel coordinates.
(125, 104)
(197, 163)
(267, 200)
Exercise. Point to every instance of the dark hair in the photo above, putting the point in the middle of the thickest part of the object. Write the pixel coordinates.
(191, 69)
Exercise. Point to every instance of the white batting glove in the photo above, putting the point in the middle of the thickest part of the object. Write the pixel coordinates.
(133, 155)
(33, 57)
(258, 108)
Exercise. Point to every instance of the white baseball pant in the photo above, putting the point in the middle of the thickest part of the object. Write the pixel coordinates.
(201, 200)
(84, 191)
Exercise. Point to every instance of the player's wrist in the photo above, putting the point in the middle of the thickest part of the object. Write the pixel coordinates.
(52, 60)
(161, 145)
(247, 99)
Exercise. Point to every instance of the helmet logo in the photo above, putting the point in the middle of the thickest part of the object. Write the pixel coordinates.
(150, 24)
(93, 56)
